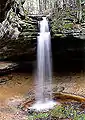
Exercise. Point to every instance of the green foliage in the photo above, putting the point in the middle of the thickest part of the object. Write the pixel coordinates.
(41, 115)
(38, 116)
(64, 112)
(80, 117)
(59, 112)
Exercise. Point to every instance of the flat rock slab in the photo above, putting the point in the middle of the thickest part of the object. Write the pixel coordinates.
(5, 65)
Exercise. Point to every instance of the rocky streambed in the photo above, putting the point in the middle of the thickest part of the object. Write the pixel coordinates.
(20, 86)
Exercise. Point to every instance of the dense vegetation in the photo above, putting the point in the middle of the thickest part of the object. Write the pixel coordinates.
(61, 112)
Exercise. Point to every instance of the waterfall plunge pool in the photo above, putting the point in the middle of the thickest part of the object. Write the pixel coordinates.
(17, 95)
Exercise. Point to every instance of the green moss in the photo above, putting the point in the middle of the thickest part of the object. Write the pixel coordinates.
(59, 35)
(68, 26)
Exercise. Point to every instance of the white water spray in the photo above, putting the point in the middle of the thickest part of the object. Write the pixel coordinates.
(43, 94)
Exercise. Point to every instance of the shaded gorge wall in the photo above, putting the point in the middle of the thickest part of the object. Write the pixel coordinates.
(19, 30)
(68, 54)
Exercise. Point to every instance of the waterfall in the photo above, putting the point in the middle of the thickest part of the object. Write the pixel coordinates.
(43, 93)
(44, 69)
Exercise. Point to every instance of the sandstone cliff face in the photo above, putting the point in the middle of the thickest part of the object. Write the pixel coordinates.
(19, 30)
(66, 22)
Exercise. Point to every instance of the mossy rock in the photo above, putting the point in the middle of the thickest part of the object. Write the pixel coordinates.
(68, 26)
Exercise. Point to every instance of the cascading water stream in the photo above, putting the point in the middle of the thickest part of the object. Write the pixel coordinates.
(43, 93)
(44, 73)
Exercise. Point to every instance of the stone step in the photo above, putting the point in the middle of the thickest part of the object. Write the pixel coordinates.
(29, 26)
(30, 30)
(30, 21)
(29, 36)
(28, 33)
